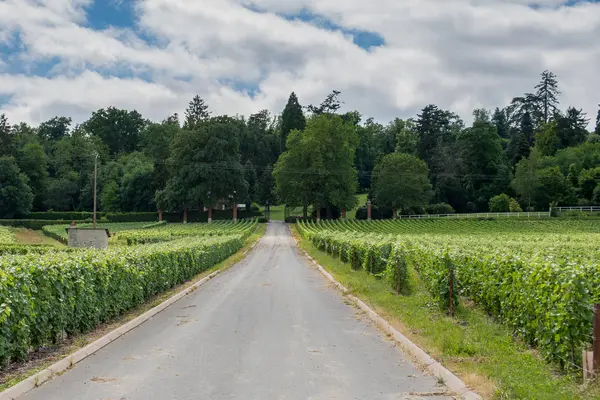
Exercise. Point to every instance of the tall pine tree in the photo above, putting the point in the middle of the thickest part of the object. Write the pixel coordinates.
(547, 95)
(501, 121)
(292, 118)
(6, 139)
(597, 131)
(196, 112)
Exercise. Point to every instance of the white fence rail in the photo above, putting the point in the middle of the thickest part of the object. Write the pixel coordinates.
(536, 214)
(581, 209)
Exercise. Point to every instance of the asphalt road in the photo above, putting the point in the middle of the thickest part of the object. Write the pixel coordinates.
(269, 328)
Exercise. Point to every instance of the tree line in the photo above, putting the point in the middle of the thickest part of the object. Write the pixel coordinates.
(527, 154)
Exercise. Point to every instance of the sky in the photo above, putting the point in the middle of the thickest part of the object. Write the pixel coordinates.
(389, 58)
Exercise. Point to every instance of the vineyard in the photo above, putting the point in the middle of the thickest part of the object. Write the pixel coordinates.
(540, 278)
(48, 294)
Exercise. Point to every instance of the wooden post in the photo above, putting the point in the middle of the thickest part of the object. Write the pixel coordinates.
(596, 347)
(234, 212)
(185, 215)
(451, 292)
(160, 215)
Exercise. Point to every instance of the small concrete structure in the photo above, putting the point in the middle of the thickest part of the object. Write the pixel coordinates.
(88, 238)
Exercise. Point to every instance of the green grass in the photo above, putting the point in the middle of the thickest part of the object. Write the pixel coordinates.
(476, 348)
(362, 200)
(28, 236)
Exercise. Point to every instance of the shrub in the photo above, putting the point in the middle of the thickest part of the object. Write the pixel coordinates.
(441, 208)
(500, 203)
(514, 206)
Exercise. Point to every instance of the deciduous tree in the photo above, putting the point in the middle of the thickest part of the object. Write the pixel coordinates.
(400, 181)
(16, 197)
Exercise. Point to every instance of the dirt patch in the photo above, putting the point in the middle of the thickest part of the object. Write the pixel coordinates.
(28, 236)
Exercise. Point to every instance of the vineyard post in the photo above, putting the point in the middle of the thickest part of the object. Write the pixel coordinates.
(596, 348)
(451, 292)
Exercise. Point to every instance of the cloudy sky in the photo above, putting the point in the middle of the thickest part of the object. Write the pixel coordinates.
(388, 57)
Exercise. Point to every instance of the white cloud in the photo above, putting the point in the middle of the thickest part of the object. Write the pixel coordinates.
(459, 54)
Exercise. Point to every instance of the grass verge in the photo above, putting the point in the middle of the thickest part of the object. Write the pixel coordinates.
(472, 345)
(44, 358)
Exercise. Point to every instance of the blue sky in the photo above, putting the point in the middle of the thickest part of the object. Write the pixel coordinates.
(389, 59)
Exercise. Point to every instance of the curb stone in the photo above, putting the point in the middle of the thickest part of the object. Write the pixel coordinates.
(434, 367)
(34, 381)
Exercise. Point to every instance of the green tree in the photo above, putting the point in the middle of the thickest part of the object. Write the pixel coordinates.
(330, 105)
(33, 162)
(588, 180)
(400, 181)
(292, 118)
(205, 166)
(500, 203)
(318, 166)
(526, 181)
(155, 142)
(6, 137)
(370, 143)
(119, 129)
(196, 113)
(16, 197)
(136, 189)
(553, 187)
(547, 94)
(482, 159)
(571, 128)
(514, 206)
(267, 187)
(518, 146)
(597, 130)
(500, 120)
(55, 128)
(406, 136)
(547, 140)
(252, 181)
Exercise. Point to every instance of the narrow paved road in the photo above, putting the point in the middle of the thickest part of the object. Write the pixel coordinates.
(268, 328)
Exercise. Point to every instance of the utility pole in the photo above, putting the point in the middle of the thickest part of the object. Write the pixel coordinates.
(96, 155)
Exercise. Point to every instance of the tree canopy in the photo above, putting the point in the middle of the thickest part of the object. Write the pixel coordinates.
(400, 181)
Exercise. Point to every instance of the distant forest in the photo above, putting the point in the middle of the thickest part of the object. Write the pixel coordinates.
(526, 155)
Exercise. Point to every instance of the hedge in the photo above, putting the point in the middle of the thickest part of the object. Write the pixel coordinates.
(47, 298)
(37, 224)
(17, 248)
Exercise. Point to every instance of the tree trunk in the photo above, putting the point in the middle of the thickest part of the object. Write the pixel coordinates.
(160, 215)
(328, 211)
(305, 211)
(209, 214)
(394, 213)
(185, 210)
(318, 214)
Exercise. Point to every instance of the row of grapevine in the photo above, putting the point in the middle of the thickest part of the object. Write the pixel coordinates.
(6, 236)
(170, 232)
(44, 298)
(543, 289)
